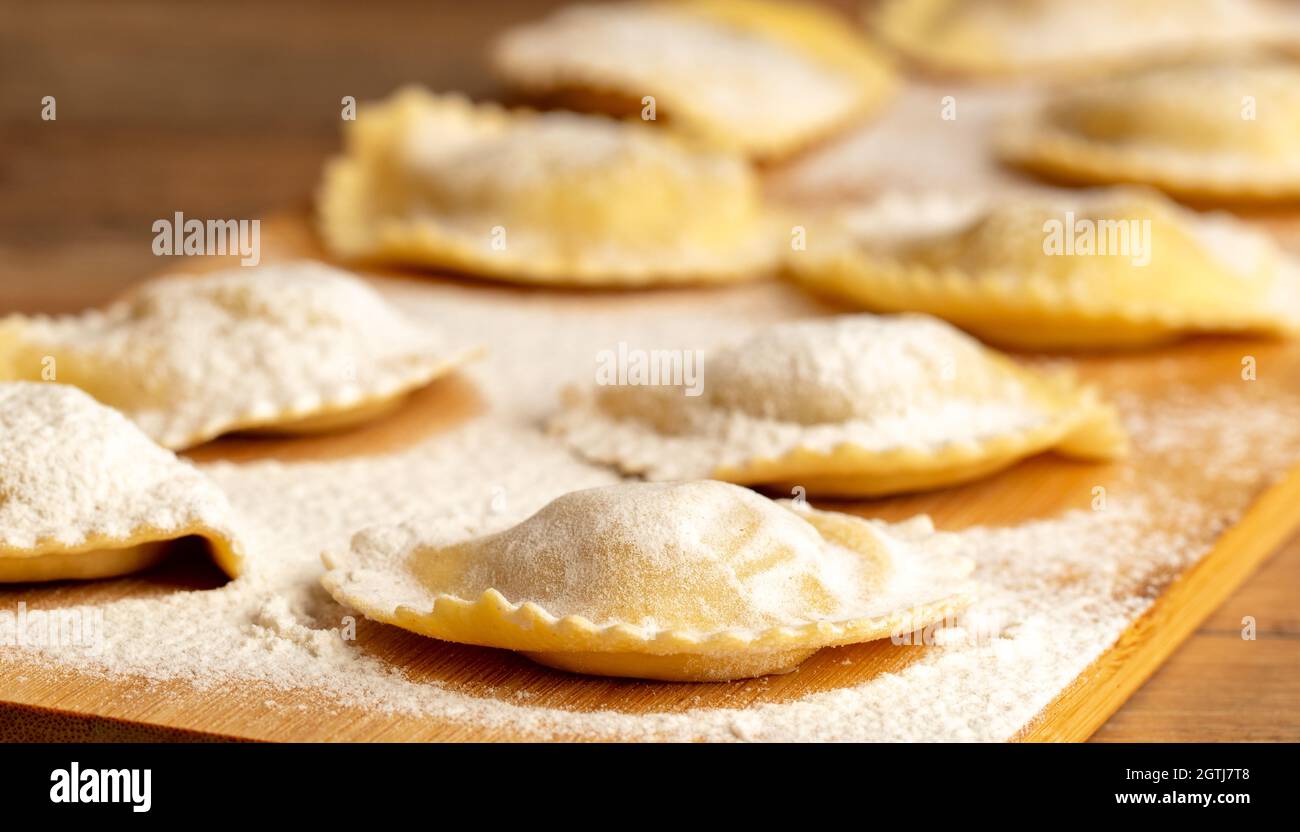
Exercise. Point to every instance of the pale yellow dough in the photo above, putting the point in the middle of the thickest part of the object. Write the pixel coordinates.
(553, 198)
(285, 348)
(759, 77)
(849, 406)
(328, 422)
(988, 267)
(1066, 38)
(694, 581)
(101, 557)
(84, 494)
(1219, 132)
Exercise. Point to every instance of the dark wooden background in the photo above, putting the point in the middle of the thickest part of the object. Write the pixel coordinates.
(228, 109)
(222, 109)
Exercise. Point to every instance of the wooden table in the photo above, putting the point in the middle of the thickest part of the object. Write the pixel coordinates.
(229, 110)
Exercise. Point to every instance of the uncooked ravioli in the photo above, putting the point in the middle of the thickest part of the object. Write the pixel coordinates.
(1067, 38)
(293, 347)
(759, 77)
(85, 494)
(693, 581)
(1100, 270)
(1226, 132)
(855, 405)
(553, 198)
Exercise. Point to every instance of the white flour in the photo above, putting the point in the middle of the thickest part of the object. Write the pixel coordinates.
(875, 382)
(652, 47)
(1056, 593)
(73, 469)
(189, 358)
(751, 563)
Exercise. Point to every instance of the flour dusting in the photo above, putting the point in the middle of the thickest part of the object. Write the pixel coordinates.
(191, 357)
(879, 383)
(72, 469)
(1055, 592)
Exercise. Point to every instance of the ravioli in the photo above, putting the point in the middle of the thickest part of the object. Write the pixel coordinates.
(693, 581)
(1104, 270)
(553, 198)
(288, 348)
(1068, 38)
(1220, 132)
(758, 77)
(852, 406)
(85, 494)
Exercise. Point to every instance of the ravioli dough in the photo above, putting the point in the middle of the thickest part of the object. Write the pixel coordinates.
(295, 347)
(695, 581)
(1224, 132)
(551, 198)
(987, 268)
(759, 77)
(85, 494)
(849, 406)
(1069, 38)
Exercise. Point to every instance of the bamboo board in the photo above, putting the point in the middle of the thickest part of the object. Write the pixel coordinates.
(92, 707)
(1038, 488)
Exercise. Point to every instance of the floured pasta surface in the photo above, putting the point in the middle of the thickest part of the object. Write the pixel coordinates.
(693, 581)
(1114, 269)
(551, 198)
(1227, 131)
(296, 347)
(993, 38)
(85, 494)
(760, 77)
(849, 406)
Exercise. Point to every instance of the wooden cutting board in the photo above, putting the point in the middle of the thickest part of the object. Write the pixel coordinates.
(908, 148)
(1041, 487)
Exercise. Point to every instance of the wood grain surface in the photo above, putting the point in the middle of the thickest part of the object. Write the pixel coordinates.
(1039, 488)
(229, 111)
